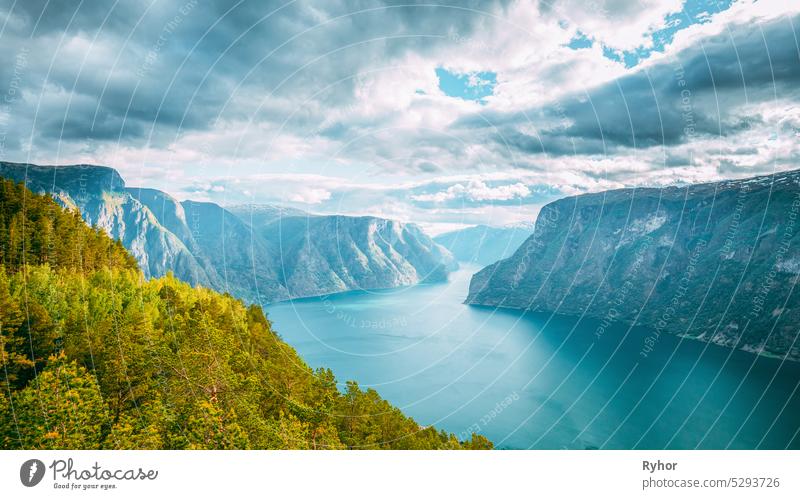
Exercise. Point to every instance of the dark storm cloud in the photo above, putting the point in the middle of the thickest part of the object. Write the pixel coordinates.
(698, 93)
(42, 17)
(107, 71)
(672, 159)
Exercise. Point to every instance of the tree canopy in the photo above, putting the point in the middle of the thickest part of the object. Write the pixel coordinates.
(96, 357)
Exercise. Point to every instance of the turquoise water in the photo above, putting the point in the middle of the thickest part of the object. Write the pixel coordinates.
(539, 381)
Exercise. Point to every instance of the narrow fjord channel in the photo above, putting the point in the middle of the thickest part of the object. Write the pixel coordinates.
(540, 381)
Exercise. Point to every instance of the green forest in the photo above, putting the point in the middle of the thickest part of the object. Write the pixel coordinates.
(94, 356)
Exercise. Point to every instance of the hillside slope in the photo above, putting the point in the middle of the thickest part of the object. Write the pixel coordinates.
(241, 253)
(96, 357)
(329, 254)
(99, 193)
(717, 262)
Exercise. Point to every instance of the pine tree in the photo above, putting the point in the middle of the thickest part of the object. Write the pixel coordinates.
(93, 356)
(61, 409)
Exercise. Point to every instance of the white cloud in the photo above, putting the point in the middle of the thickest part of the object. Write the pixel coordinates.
(741, 12)
(622, 25)
(476, 191)
(309, 196)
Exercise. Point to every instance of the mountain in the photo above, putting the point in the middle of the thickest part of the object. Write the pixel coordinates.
(258, 215)
(259, 253)
(322, 254)
(96, 357)
(717, 262)
(484, 244)
(222, 243)
(99, 193)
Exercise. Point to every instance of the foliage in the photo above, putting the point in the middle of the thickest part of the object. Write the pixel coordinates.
(61, 409)
(94, 357)
(34, 230)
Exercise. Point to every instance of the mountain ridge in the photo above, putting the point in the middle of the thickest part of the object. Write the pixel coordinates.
(715, 262)
(205, 244)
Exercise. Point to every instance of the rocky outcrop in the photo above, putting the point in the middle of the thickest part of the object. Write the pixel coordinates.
(717, 262)
(328, 254)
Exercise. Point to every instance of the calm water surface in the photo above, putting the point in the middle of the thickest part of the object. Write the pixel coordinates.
(542, 381)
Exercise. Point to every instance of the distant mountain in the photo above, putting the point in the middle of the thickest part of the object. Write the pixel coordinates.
(220, 241)
(261, 253)
(321, 254)
(718, 262)
(259, 215)
(484, 244)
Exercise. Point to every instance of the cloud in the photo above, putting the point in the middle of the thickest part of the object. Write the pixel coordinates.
(476, 191)
(180, 65)
(620, 24)
(338, 105)
(309, 196)
(705, 91)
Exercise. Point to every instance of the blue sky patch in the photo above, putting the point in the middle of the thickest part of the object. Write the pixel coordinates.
(693, 12)
(580, 41)
(475, 86)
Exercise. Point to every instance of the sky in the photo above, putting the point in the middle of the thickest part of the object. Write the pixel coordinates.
(444, 114)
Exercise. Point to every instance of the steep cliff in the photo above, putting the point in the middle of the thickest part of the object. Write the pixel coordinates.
(260, 254)
(328, 254)
(99, 193)
(717, 262)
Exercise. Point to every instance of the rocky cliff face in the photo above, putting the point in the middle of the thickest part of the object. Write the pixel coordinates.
(328, 254)
(717, 262)
(99, 193)
(484, 244)
(247, 266)
(261, 254)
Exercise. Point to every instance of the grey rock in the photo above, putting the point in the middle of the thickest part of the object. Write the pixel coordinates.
(717, 262)
(328, 254)
(261, 253)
